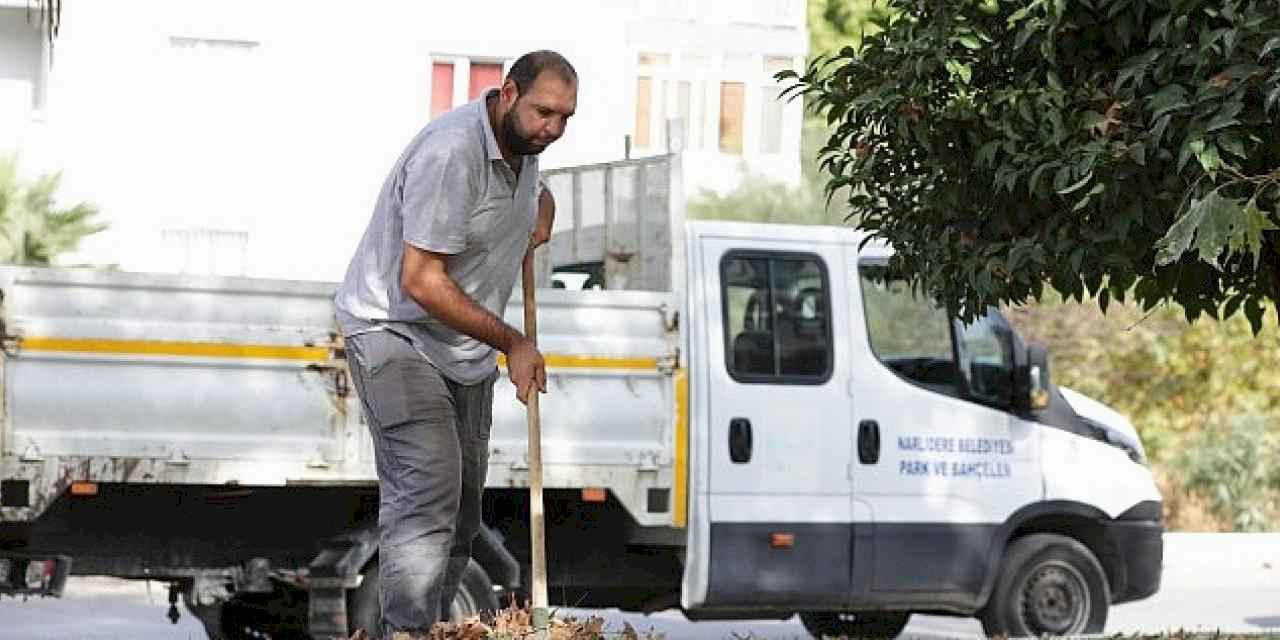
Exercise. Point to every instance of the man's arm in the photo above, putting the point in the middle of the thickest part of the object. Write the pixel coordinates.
(425, 279)
(546, 218)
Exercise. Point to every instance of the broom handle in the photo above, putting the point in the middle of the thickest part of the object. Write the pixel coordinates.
(537, 518)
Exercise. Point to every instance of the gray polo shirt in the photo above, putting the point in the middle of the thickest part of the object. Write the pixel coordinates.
(451, 193)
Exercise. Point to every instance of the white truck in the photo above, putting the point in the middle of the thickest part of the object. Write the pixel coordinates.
(771, 427)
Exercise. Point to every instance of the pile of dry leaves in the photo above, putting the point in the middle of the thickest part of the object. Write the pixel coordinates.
(515, 623)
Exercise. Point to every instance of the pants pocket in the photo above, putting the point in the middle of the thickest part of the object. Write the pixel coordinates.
(397, 383)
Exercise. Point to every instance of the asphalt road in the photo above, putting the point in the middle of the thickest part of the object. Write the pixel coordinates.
(1242, 598)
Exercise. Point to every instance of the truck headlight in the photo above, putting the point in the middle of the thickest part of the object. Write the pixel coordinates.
(1106, 435)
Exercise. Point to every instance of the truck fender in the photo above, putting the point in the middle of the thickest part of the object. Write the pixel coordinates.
(1023, 516)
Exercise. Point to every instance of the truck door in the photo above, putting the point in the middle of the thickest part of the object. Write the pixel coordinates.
(773, 509)
(942, 459)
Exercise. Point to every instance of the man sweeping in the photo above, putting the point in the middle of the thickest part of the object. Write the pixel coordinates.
(421, 309)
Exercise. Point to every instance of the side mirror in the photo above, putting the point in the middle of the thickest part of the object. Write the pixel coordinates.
(1033, 382)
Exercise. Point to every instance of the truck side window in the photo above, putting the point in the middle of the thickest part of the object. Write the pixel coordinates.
(776, 318)
(909, 333)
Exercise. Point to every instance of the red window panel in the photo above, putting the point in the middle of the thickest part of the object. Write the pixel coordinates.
(484, 75)
(441, 88)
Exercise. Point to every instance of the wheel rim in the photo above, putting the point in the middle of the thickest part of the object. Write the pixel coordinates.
(1055, 599)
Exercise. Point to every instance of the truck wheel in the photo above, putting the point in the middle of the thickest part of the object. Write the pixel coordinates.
(1048, 585)
(475, 597)
(878, 624)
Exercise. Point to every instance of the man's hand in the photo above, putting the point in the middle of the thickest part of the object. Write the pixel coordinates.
(526, 368)
(546, 218)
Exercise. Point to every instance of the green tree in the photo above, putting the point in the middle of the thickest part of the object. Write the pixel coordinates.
(1232, 464)
(1109, 149)
(836, 24)
(33, 229)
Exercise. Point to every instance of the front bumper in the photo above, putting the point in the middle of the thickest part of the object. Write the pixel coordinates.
(1138, 548)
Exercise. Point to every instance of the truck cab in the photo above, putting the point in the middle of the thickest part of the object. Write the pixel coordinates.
(857, 454)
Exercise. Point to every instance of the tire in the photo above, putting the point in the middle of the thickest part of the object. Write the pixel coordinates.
(834, 624)
(1048, 585)
(475, 597)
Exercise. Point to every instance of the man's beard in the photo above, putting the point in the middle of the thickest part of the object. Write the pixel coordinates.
(516, 140)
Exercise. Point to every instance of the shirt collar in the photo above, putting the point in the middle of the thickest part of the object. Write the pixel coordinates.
(490, 140)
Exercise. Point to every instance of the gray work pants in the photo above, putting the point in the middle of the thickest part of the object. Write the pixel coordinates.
(431, 446)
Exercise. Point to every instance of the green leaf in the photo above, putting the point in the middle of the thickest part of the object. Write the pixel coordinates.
(1092, 120)
(1055, 120)
(957, 68)
(1061, 178)
(1190, 149)
(1136, 68)
(1033, 184)
(1222, 121)
(1077, 258)
(1270, 46)
(1231, 144)
(1248, 234)
(969, 41)
(1157, 132)
(1272, 99)
(1055, 82)
(1078, 185)
(1169, 99)
(1139, 153)
(1229, 42)
(987, 154)
(1253, 310)
(1232, 305)
(1024, 110)
(1209, 158)
(1208, 223)
(1159, 29)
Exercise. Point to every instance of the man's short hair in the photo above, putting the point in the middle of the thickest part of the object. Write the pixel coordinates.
(528, 66)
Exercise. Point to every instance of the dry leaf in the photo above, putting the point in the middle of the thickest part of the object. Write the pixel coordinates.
(629, 632)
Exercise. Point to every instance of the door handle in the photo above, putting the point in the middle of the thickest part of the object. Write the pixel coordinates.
(868, 442)
(740, 440)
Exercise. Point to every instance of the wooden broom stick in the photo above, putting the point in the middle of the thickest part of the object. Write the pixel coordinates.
(537, 515)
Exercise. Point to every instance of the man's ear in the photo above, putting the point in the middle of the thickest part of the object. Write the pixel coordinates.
(509, 93)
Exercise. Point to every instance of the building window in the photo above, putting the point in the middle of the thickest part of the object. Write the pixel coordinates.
(456, 80)
(644, 110)
(441, 88)
(732, 113)
(652, 109)
(484, 75)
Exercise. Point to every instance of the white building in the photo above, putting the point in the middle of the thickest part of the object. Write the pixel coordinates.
(250, 137)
